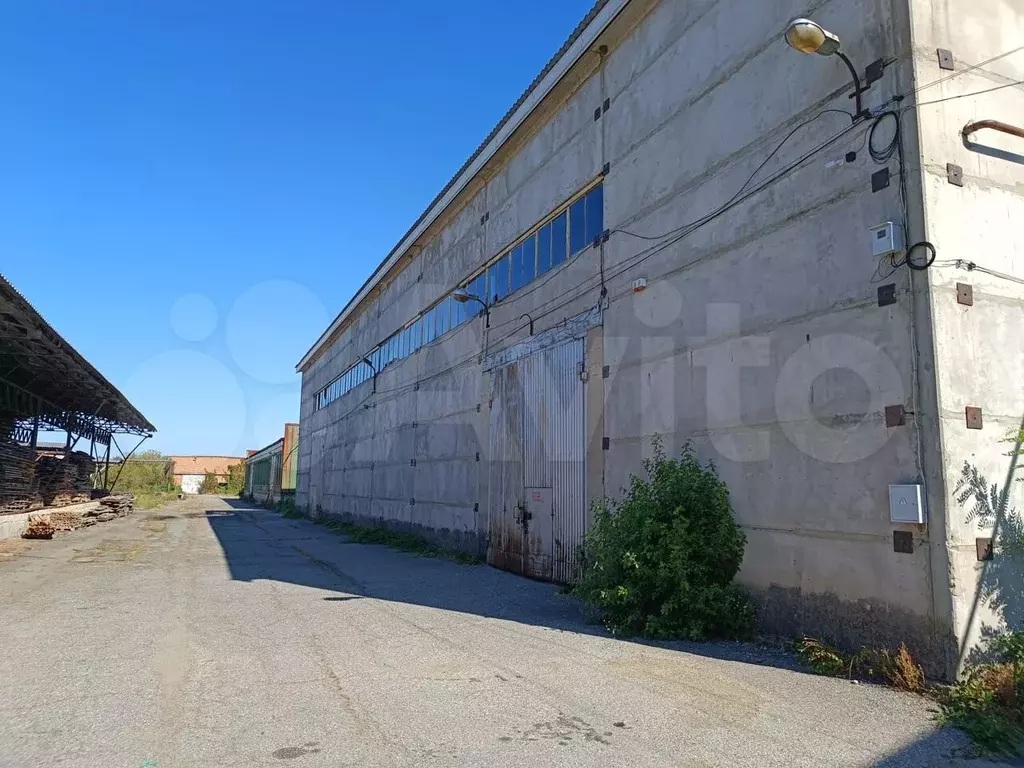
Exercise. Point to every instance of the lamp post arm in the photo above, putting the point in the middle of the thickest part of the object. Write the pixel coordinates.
(856, 85)
(487, 310)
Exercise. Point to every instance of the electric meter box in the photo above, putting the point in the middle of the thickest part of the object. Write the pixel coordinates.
(906, 504)
(886, 239)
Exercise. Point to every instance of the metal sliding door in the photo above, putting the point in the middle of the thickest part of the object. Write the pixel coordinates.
(537, 476)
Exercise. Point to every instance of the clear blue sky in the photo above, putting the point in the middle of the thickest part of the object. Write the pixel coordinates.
(191, 190)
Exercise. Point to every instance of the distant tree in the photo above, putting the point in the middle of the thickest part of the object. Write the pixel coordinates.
(146, 472)
(211, 484)
(236, 479)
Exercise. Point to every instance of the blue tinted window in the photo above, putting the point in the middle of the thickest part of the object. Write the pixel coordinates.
(544, 249)
(444, 318)
(578, 226)
(527, 266)
(429, 329)
(415, 330)
(497, 280)
(460, 312)
(516, 268)
(558, 241)
(595, 213)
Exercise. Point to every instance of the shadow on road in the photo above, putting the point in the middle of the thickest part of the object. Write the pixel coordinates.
(947, 747)
(260, 544)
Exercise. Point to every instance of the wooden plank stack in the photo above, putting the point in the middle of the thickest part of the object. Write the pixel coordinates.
(120, 504)
(17, 479)
(38, 528)
(65, 481)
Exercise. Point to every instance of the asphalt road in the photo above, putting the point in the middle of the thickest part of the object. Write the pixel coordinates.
(209, 634)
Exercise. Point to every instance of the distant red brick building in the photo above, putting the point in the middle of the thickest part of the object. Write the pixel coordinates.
(189, 471)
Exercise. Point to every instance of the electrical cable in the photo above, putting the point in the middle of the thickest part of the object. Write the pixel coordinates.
(969, 69)
(882, 156)
(653, 250)
(963, 95)
(540, 283)
(757, 170)
(647, 253)
(928, 261)
(970, 266)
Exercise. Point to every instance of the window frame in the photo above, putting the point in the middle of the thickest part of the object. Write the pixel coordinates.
(428, 327)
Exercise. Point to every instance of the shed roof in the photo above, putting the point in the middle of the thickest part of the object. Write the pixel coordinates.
(277, 445)
(41, 374)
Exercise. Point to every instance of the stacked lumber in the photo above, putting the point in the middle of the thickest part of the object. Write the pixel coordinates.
(65, 481)
(85, 468)
(67, 498)
(120, 504)
(65, 521)
(38, 528)
(17, 475)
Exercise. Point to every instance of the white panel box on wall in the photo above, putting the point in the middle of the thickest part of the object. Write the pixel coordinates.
(906, 504)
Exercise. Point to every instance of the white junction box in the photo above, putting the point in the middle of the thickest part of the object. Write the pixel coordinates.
(886, 239)
(906, 504)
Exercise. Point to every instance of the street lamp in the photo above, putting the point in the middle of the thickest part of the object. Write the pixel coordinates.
(806, 36)
(373, 369)
(462, 296)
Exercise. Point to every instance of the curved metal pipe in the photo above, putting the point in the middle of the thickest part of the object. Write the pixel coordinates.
(994, 125)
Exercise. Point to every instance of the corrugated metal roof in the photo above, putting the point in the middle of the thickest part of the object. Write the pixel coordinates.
(54, 370)
(265, 449)
(377, 273)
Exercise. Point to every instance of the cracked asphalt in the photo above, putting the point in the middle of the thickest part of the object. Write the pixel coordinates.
(209, 633)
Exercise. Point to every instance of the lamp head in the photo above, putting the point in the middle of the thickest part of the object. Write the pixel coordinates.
(461, 295)
(806, 36)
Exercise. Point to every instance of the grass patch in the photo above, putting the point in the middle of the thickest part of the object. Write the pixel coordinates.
(898, 670)
(154, 499)
(405, 542)
(988, 704)
(286, 506)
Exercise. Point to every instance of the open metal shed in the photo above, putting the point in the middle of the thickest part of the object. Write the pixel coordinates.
(45, 385)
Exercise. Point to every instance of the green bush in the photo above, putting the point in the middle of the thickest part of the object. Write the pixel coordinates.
(286, 506)
(660, 561)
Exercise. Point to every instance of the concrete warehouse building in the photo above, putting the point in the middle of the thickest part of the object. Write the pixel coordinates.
(676, 231)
